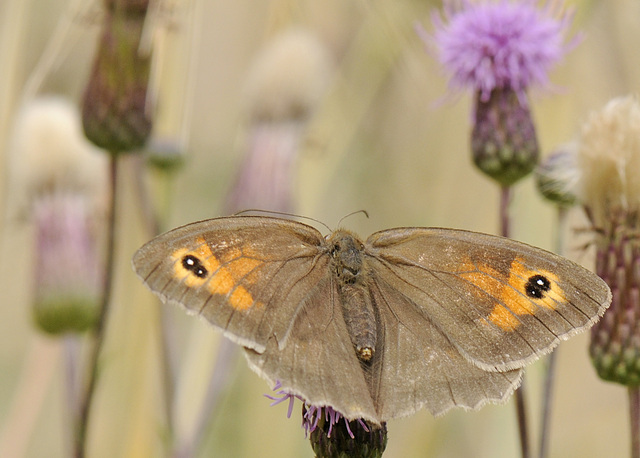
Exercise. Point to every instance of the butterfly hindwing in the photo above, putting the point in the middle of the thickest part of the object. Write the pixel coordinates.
(433, 372)
(318, 362)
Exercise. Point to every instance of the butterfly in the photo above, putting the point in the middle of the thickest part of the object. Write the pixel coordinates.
(411, 318)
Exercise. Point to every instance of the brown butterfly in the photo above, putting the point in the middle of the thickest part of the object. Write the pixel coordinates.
(410, 318)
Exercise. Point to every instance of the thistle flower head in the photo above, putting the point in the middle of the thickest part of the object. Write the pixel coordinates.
(67, 277)
(489, 45)
(59, 180)
(288, 77)
(284, 87)
(330, 433)
(49, 153)
(609, 159)
(499, 48)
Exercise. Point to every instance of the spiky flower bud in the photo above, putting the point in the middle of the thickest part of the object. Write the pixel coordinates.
(557, 177)
(609, 159)
(164, 154)
(129, 6)
(503, 140)
(115, 112)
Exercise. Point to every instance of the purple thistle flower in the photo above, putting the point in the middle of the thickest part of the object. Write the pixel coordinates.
(282, 396)
(499, 48)
(322, 424)
(312, 414)
(501, 44)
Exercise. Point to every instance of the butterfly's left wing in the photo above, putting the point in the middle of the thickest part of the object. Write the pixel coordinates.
(501, 303)
(267, 284)
(245, 275)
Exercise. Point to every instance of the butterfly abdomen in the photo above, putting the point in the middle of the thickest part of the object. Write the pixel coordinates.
(347, 253)
(360, 318)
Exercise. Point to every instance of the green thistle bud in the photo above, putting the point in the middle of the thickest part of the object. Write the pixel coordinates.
(67, 269)
(615, 340)
(130, 7)
(503, 140)
(115, 114)
(557, 176)
(164, 154)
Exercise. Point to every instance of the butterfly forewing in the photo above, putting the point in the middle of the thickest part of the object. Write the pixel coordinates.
(502, 303)
(245, 275)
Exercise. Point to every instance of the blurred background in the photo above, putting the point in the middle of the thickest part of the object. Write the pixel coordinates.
(381, 131)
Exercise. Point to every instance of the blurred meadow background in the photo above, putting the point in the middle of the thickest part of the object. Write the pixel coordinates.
(384, 133)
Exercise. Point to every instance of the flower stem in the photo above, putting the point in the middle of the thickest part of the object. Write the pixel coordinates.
(551, 359)
(154, 224)
(71, 345)
(505, 199)
(100, 331)
(546, 404)
(522, 421)
(505, 230)
(634, 413)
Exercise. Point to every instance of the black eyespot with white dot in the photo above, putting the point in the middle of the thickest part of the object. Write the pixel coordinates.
(193, 264)
(537, 286)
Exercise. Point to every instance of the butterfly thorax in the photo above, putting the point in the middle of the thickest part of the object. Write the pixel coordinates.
(347, 254)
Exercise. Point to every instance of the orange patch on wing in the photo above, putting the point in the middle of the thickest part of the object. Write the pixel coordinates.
(503, 318)
(510, 292)
(240, 267)
(219, 280)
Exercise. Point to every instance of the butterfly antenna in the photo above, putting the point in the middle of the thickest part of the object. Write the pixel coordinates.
(364, 212)
(290, 215)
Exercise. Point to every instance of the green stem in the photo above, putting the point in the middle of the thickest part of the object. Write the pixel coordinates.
(71, 344)
(505, 230)
(86, 402)
(546, 404)
(521, 412)
(153, 222)
(505, 199)
(634, 416)
(551, 359)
